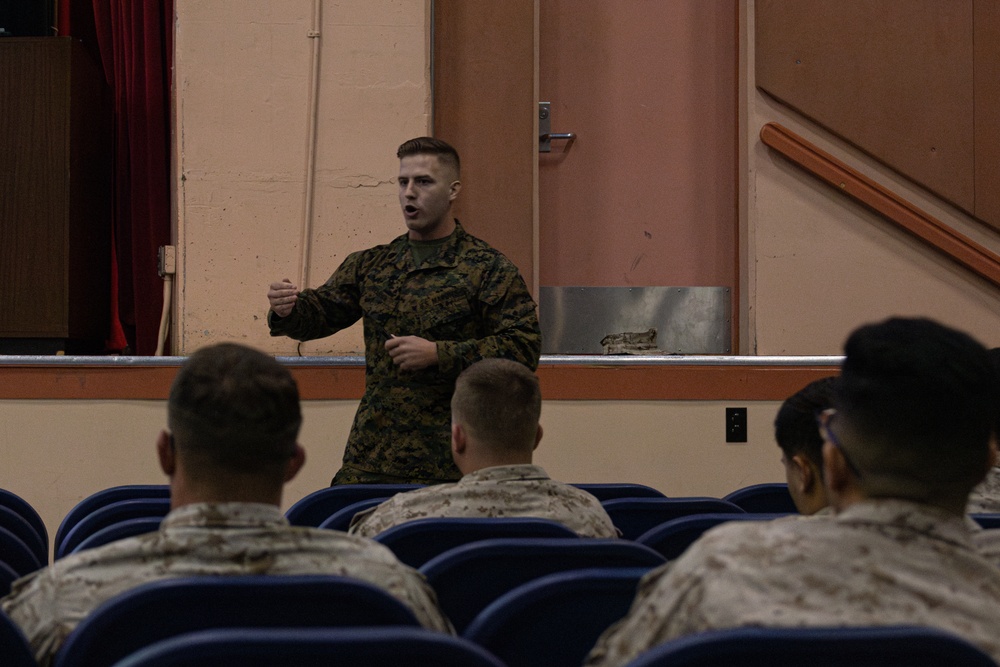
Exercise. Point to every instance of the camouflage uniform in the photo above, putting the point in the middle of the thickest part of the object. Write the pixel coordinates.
(886, 562)
(204, 539)
(514, 491)
(986, 496)
(468, 298)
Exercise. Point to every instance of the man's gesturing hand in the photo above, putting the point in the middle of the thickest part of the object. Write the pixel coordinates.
(282, 297)
(411, 353)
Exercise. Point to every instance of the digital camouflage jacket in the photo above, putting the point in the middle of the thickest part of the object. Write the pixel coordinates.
(468, 298)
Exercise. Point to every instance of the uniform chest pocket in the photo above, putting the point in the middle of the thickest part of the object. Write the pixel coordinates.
(448, 317)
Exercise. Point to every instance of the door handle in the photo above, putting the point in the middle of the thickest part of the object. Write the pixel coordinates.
(545, 134)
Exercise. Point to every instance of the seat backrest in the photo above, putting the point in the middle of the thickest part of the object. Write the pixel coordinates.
(18, 555)
(469, 577)
(318, 506)
(416, 542)
(893, 646)
(672, 538)
(106, 497)
(119, 531)
(620, 490)
(7, 577)
(110, 514)
(555, 620)
(634, 516)
(14, 647)
(313, 647)
(769, 498)
(170, 607)
(17, 524)
(987, 520)
(23, 507)
(341, 519)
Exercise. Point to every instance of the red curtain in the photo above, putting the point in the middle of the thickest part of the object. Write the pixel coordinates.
(133, 41)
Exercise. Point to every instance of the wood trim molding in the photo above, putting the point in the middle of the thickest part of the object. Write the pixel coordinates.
(892, 207)
(673, 382)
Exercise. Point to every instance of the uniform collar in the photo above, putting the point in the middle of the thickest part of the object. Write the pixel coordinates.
(917, 518)
(225, 515)
(511, 473)
(447, 257)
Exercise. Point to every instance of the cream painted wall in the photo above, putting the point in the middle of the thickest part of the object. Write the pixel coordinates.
(678, 447)
(242, 91)
(818, 265)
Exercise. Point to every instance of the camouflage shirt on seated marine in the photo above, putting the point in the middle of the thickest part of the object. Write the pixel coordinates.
(467, 297)
(205, 539)
(498, 491)
(877, 562)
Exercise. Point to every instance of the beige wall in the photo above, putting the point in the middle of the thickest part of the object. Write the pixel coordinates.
(678, 447)
(818, 265)
(242, 109)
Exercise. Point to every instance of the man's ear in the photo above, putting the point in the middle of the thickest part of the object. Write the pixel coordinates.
(295, 463)
(459, 439)
(538, 437)
(456, 187)
(165, 453)
(806, 473)
(836, 472)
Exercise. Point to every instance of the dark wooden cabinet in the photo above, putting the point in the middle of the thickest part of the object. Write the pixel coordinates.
(55, 197)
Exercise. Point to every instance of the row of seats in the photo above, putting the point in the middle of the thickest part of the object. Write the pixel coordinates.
(124, 511)
(129, 510)
(524, 601)
(549, 621)
(24, 542)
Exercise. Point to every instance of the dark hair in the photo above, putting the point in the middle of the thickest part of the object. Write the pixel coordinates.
(431, 146)
(499, 402)
(920, 399)
(235, 408)
(795, 426)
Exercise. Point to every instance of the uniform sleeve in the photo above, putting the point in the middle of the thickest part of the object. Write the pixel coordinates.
(325, 310)
(31, 605)
(509, 322)
(666, 606)
(369, 522)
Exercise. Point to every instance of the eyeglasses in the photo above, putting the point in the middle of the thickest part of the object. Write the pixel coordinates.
(823, 422)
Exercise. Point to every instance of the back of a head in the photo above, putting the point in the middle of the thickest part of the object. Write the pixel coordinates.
(795, 424)
(916, 399)
(498, 402)
(233, 408)
(444, 151)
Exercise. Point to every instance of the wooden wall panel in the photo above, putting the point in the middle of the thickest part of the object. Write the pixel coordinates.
(893, 77)
(485, 104)
(987, 110)
(55, 193)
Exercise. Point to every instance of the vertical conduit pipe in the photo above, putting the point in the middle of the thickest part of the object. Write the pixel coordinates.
(305, 235)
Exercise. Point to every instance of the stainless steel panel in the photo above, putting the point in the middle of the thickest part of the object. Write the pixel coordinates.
(688, 320)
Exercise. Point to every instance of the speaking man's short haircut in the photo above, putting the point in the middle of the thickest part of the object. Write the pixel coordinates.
(430, 146)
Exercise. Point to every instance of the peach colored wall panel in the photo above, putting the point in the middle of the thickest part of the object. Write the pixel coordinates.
(894, 77)
(987, 41)
(242, 103)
